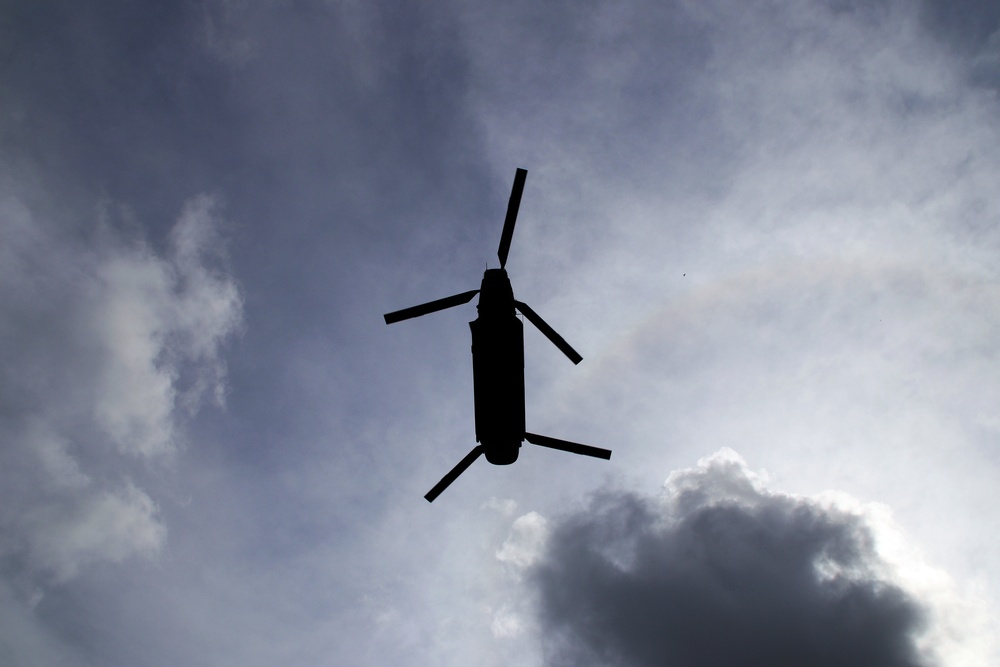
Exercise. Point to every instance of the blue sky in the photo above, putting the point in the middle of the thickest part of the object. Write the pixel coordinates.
(769, 228)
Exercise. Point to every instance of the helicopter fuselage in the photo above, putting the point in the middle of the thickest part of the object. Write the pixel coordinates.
(498, 370)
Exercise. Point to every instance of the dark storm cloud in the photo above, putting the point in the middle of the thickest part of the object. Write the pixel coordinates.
(720, 573)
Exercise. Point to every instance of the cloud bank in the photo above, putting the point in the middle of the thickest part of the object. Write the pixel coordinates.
(720, 571)
(108, 346)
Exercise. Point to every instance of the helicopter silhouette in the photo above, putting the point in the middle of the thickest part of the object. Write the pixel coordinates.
(498, 361)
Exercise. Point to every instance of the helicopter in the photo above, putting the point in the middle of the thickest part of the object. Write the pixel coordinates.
(498, 361)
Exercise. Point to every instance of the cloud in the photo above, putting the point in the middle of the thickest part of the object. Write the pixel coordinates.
(81, 528)
(522, 547)
(108, 347)
(163, 322)
(721, 571)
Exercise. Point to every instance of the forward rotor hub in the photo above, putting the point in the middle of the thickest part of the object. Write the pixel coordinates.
(496, 296)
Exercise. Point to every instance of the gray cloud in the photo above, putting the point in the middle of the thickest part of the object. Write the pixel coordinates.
(720, 571)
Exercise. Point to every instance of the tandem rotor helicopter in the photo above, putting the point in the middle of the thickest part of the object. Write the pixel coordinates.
(498, 361)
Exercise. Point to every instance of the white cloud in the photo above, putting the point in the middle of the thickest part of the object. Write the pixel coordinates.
(505, 507)
(161, 323)
(108, 347)
(960, 632)
(73, 531)
(527, 537)
(506, 624)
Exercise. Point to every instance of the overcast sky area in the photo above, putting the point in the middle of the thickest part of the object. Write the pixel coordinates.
(769, 227)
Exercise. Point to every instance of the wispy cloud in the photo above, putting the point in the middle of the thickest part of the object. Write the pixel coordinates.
(108, 347)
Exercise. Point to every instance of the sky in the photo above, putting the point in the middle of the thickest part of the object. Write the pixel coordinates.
(768, 226)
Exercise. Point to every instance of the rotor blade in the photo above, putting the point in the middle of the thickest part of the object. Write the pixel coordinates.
(455, 472)
(508, 224)
(549, 332)
(566, 446)
(430, 307)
